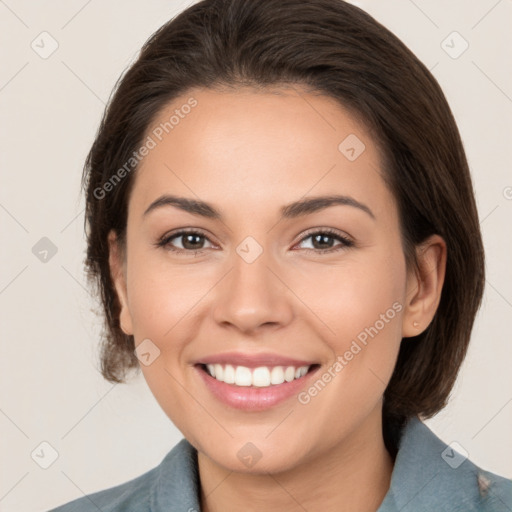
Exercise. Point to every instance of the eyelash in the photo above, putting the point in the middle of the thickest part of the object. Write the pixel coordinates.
(164, 242)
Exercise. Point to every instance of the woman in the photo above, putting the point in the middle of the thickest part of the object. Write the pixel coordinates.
(282, 227)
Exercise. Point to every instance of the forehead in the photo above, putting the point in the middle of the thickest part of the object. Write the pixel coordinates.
(263, 145)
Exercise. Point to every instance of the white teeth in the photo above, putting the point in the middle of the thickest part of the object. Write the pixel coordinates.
(243, 376)
(277, 375)
(289, 374)
(229, 374)
(219, 372)
(261, 377)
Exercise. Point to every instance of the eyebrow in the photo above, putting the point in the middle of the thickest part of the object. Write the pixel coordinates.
(290, 211)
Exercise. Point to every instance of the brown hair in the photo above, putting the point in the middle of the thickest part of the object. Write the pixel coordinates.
(338, 50)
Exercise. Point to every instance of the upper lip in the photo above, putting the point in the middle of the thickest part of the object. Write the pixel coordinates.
(253, 360)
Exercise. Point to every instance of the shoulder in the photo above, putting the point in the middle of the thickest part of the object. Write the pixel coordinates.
(129, 496)
(174, 481)
(431, 475)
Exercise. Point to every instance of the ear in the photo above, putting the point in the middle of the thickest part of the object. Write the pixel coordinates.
(424, 286)
(117, 265)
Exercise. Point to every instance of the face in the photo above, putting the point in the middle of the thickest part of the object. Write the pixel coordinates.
(260, 283)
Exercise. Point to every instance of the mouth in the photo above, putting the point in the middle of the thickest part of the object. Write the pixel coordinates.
(254, 388)
(258, 377)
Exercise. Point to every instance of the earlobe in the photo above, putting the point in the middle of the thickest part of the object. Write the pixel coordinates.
(424, 286)
(118, 273)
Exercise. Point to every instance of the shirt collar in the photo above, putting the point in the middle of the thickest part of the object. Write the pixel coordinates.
(176, 489)
(429, 475)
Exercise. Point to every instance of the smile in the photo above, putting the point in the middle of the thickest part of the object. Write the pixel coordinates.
(254, 389)
(261, 377)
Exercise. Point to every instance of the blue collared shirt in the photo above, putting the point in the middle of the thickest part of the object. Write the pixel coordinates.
(428, 476)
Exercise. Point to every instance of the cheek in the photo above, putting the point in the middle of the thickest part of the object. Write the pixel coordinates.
(164, 301)
(352, 295)
(358, 307)
(162, 296)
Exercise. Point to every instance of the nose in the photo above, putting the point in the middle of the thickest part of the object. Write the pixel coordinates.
(253, 297)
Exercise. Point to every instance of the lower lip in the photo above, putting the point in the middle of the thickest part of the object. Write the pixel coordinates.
(251, 398)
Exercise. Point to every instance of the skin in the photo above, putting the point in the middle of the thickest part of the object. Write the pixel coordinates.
(249, 153)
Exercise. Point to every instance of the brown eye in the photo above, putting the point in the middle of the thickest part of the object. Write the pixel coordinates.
(184, 241)
(192, 241)
(324, 241)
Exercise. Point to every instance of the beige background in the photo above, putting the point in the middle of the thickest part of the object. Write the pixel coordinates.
(51, 390)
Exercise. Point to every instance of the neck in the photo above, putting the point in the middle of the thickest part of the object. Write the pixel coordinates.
(353, 475)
